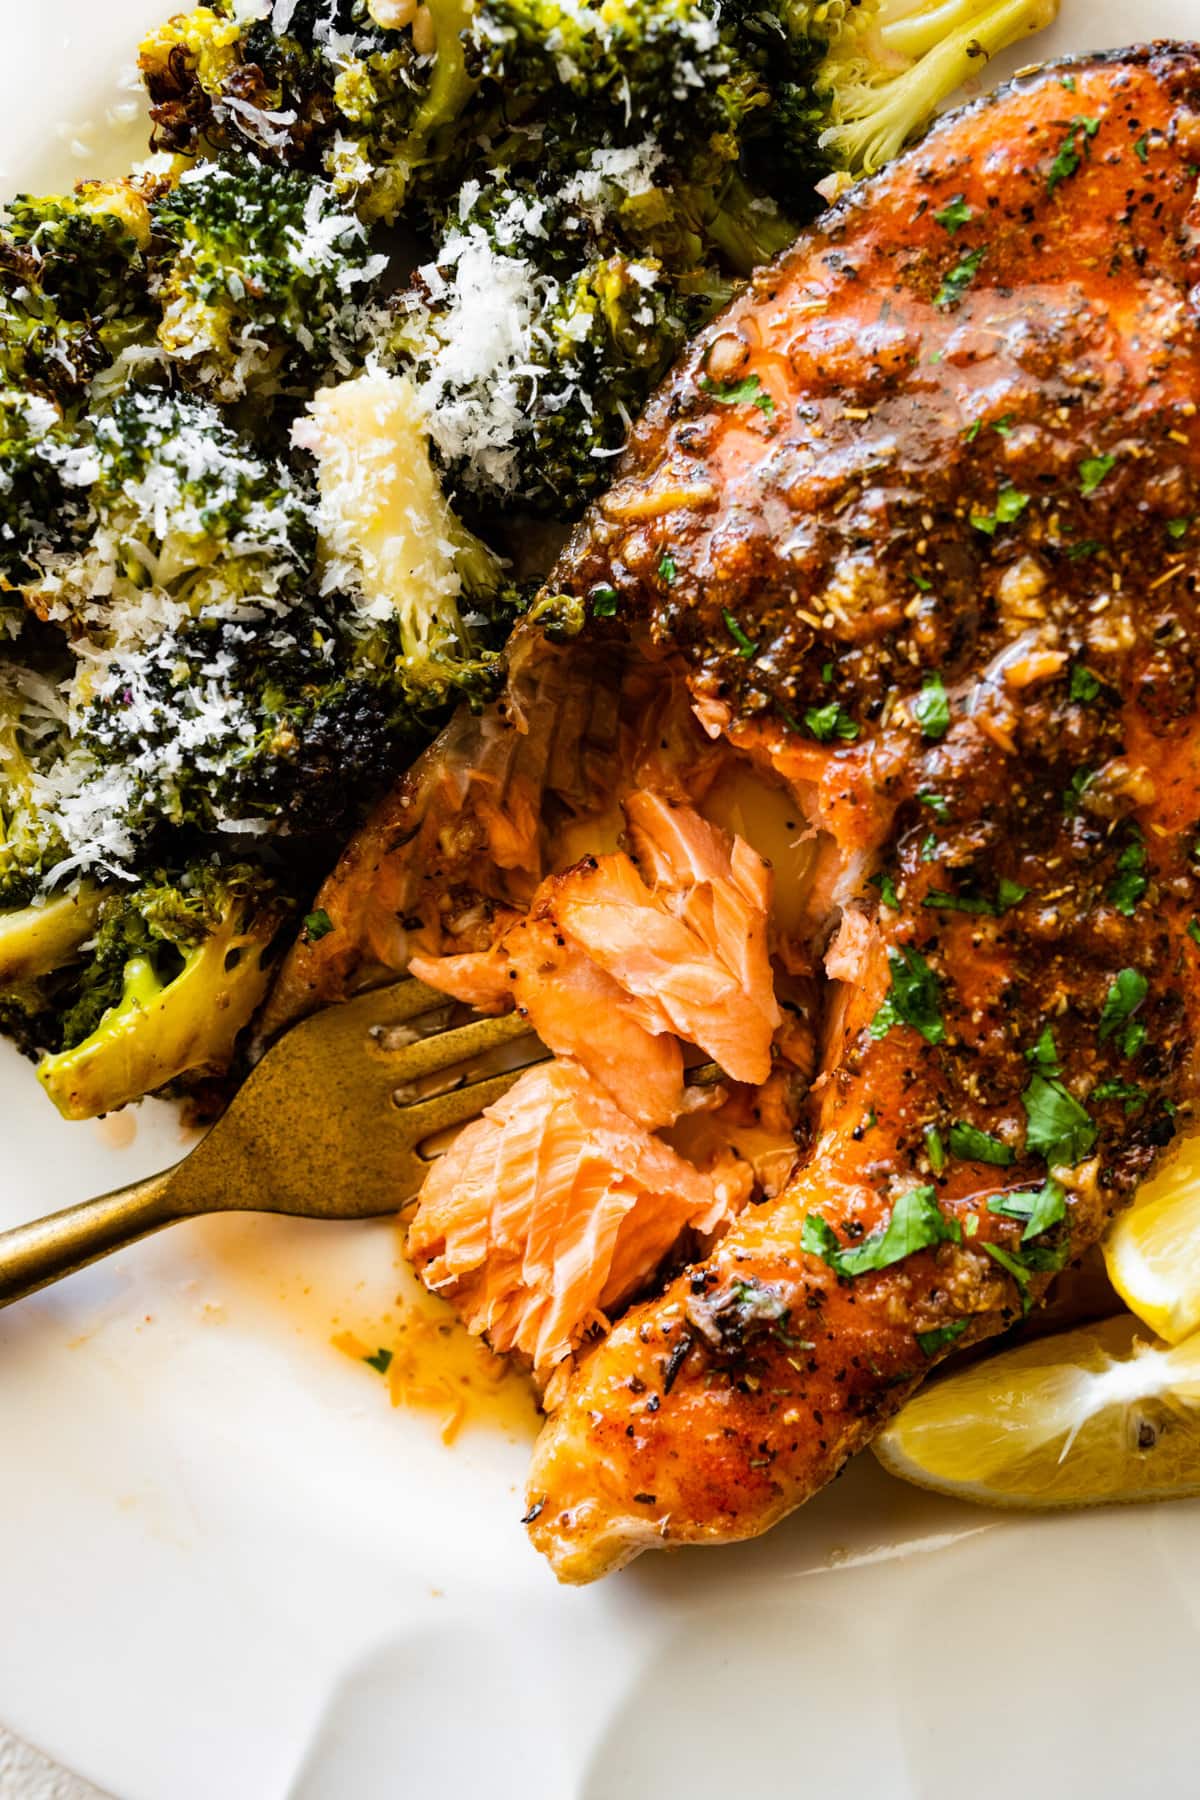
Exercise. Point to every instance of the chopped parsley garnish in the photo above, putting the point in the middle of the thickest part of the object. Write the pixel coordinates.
(916, 1223)
(604, 602)
(1059, 1128)
(963, 903)
(827, 672)
(1021, 1265)
(914, 998)
(1075, 789)
(972, 1145)
(919, 581)
(317, 925)
(1014, 1267)
(1068, 82)
(734, 393)
(929, 847)
(1044, 1052)
(1070, 155)
(957, 280)
(1193, 930)
(1008, 893)
(938, 804)
(1086, 547)
(1005, 425)
(381, 1361)
(930, 1342)
(931, 708)
(935, 1149)
(1121, 1002)
(746, 646)
(1132, 1095)
(667, 568)
(887, 890)
(1039, 1208)
(973, 430)
(1084, 685)
(1178, 528)
(1142, 149)
(955, 214)
(1130, 882)
(1092, 471)
(828, 722)
(1010, 504)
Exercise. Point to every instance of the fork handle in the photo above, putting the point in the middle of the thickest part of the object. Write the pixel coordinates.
(32, 1256)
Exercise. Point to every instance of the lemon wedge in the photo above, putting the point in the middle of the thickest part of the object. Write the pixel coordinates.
(1088, 1417)
(1153, 1250)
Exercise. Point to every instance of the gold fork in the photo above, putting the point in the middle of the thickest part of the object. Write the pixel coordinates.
(329, 1125)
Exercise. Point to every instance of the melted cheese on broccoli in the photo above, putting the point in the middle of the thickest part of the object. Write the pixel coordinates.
(388, 535)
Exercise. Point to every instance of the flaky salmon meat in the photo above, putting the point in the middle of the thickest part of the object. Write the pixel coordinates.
(911, 537)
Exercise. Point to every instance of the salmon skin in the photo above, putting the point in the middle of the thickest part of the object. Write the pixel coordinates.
(915, 523)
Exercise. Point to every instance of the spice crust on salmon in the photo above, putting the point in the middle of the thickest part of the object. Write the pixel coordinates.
(896, 588)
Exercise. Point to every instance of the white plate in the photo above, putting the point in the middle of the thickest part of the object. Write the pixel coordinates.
(228, 1568)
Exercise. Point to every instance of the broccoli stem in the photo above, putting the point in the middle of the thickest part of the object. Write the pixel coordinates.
(36, 940)
(158, 1031)
(449, 90)
(949, 40)
(912, 28)
(744, 227)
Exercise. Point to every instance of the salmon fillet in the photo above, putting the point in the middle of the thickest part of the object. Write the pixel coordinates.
(914, 527)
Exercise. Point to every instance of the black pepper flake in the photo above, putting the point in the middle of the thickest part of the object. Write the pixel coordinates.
(645, 1499)
(675, 1361)
(535, 1512)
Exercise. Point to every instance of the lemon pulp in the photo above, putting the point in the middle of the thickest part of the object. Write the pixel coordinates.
(1152, 1251)
(1093, 1416)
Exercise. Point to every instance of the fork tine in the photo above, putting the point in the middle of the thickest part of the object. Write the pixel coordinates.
(393, 1005)
(431, 1055)
(423, 1119)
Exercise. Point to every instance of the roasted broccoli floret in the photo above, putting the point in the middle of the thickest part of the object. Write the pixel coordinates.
(72, 299)
(73, 286)
(163, 506)
(33, 437)
(562, 82)
(260, 274)
(174, 971)
(87, 250)
(531, 380)
(32, 735)
(368, 90)
(225, 672)
(546, 319)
